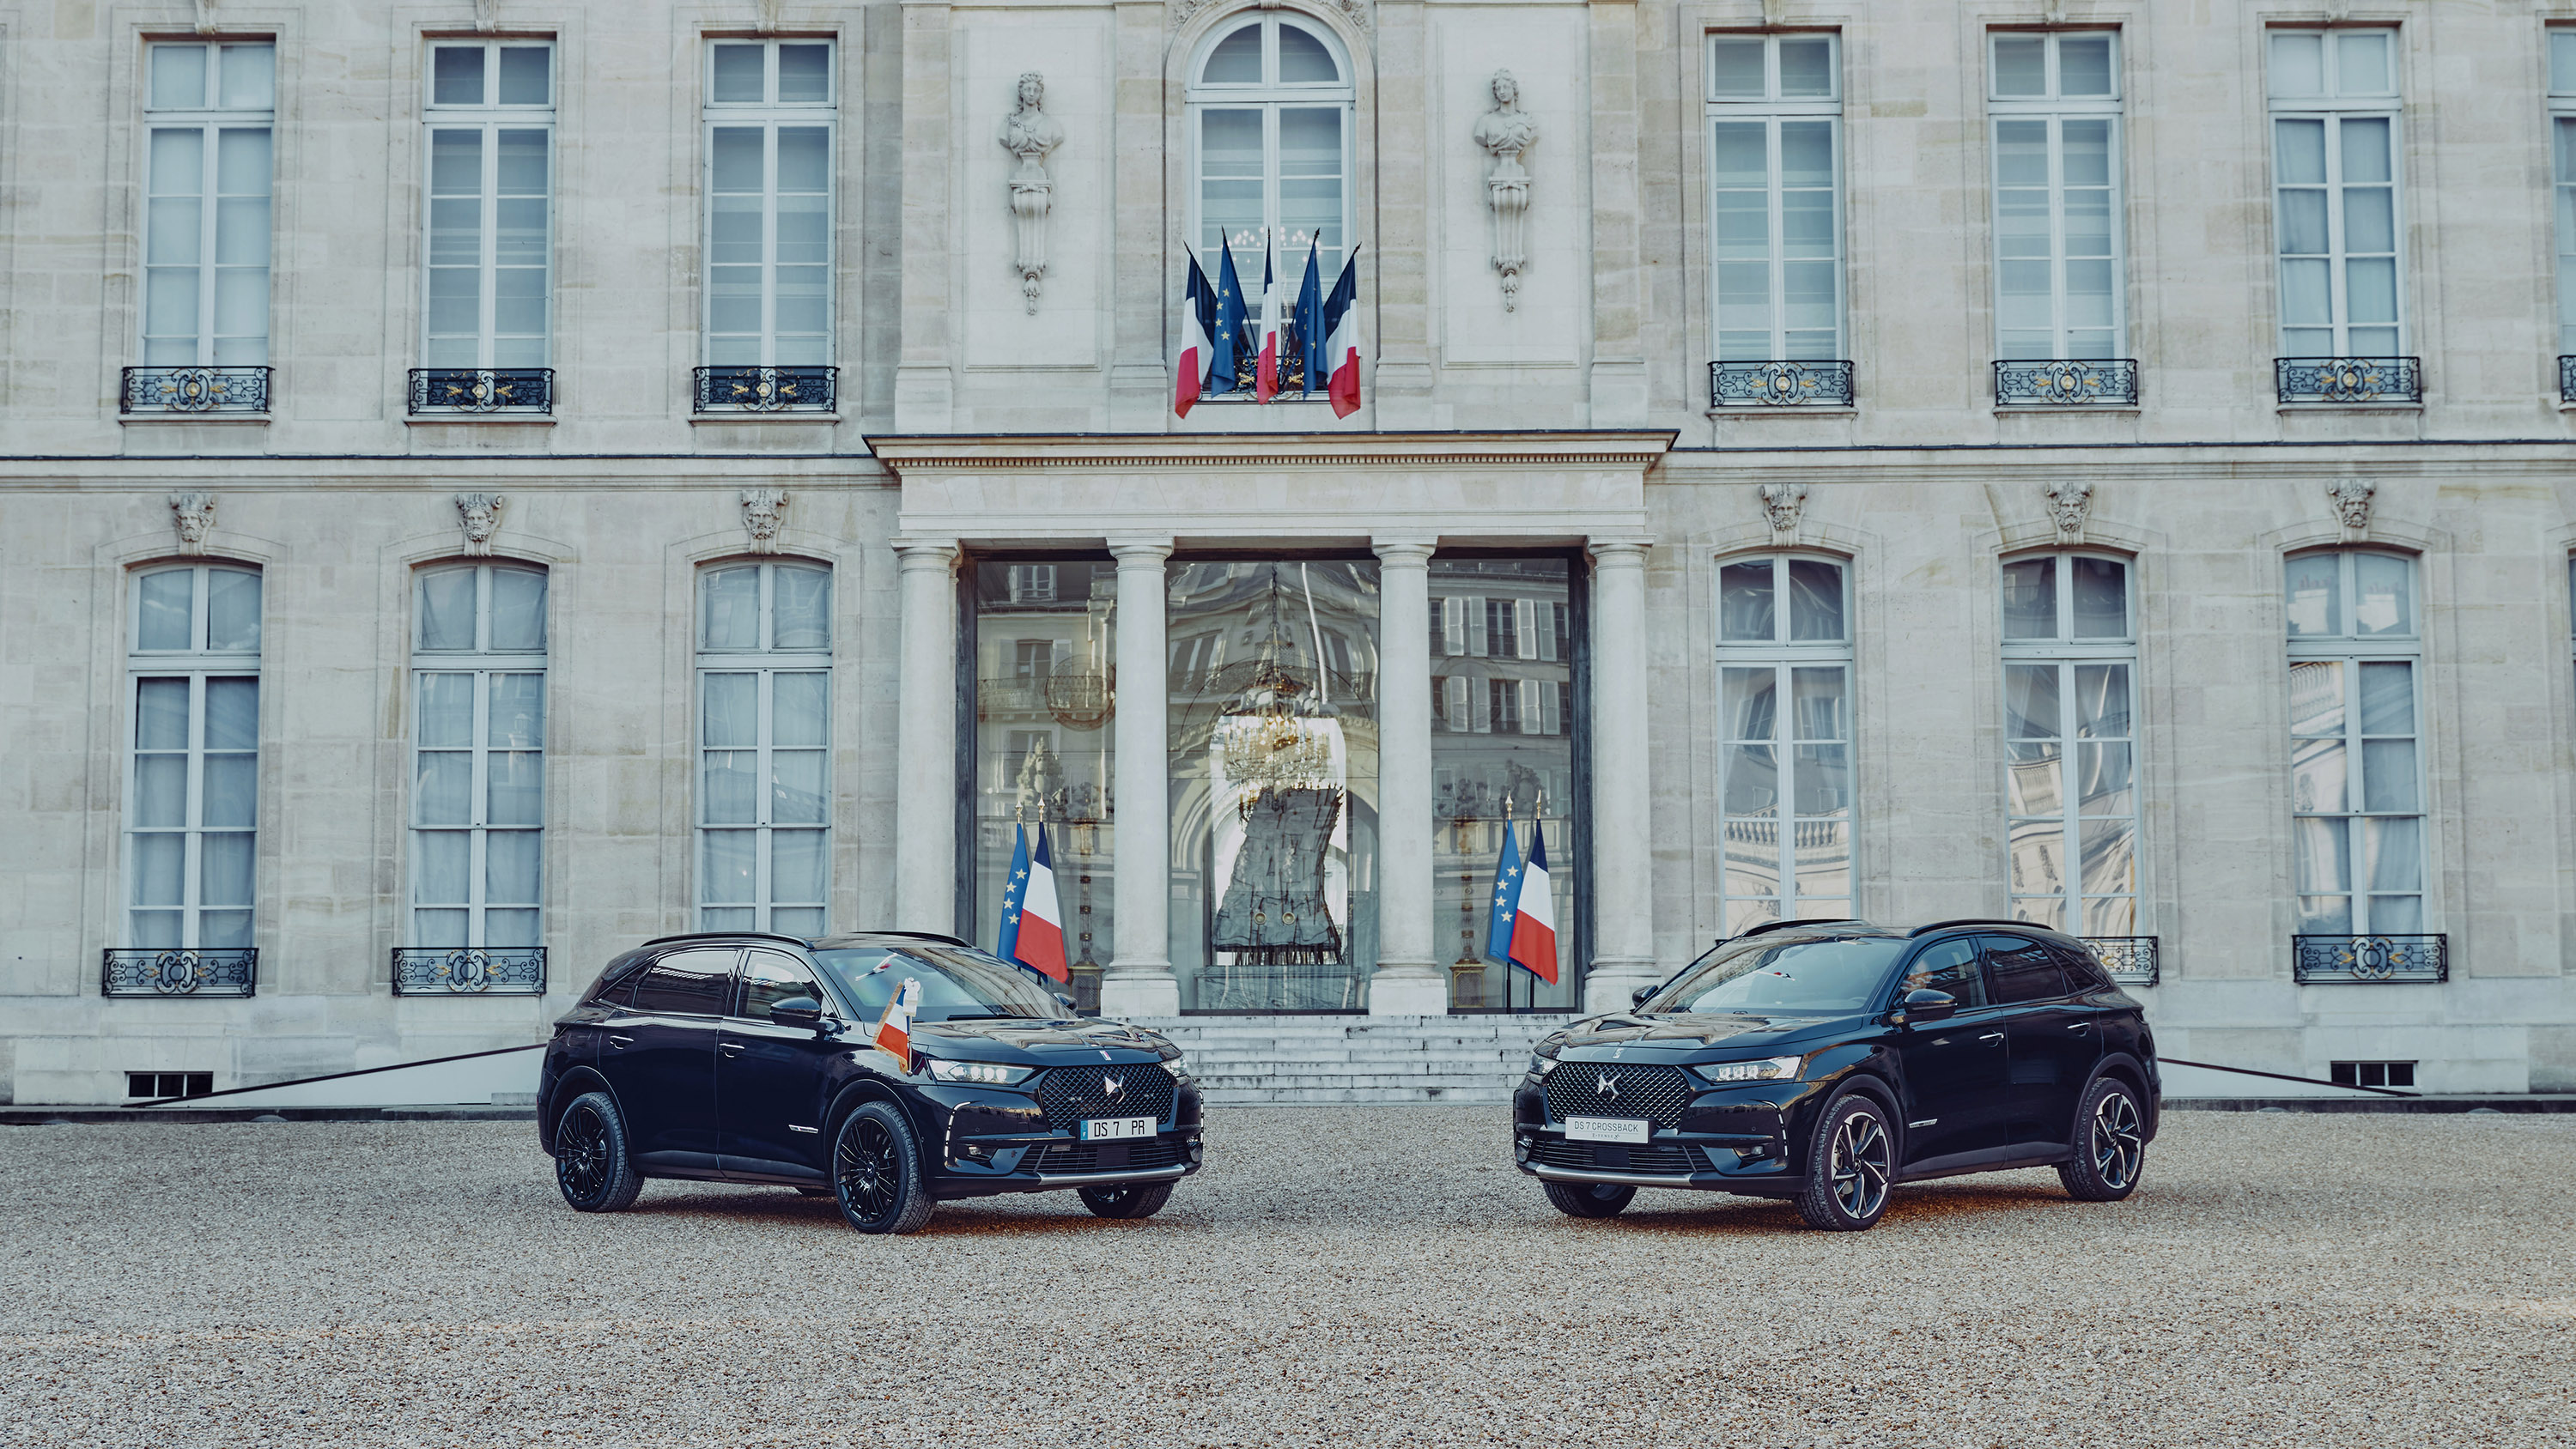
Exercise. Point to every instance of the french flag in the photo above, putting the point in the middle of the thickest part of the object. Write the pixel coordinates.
(1342, 350)
(1534, 924)
(1032, 913)
(893, 1035)
(1198, 330)
(1265, 368)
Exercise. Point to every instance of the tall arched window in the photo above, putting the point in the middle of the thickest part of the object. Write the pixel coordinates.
(1784, 659)
(478, 776)
(1270, 133)
(2070, 772)
(764, 747)
(192, 799)
(2356, 772)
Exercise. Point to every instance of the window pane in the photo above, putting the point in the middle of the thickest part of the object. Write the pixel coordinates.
(738, 73)
(802, 602)
(2101, 598)
(440, 867)
(158, 863)
(2387, 699)
(1806, 68)
(223, 869)
(2298, 64)
(2388, 776)
(510, 865)
(161, 789)
(2318, 770)
(1236, 59)
(2110, 856)
(2032, 783)
(1303, 58)
(1818, 696)
(444, 787)
(1750, 701)
(232, 714)
(804, 158)
(797, 867)
(1807, 158)
(231, 795)
(2361, 65)
(2102, 701)
(2303, 233)
(1815, 600)
(2084, 65)
(796, 795)
(2323, 867)
(2301, 152)
(161, 714)
(798, 711)
(1823, 781)
(524, 75)
(731, 786)
(446, 711)
(179, 77)
(2393, 855)
(1744, 601)
(518, 712)
(1735, 70)
(164, 605)
(804, 73)
(2382, 595)
(727, 872)
(2102, 779)
(457, 75)
(2021, 65)
(2316, 697)
(731, 711)
(730, 612)
(518, 610)
(447, 609)
(2031, 710)
(2030, 599)
(2314, 601)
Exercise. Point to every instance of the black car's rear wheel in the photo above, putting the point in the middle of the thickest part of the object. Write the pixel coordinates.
(592, 1166)
(2110, 1144)
(1126, 1199)
(1851, 1160)
(876, 1172)
(1590, 1199)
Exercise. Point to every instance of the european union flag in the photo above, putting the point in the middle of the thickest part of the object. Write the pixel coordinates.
(1229, 323)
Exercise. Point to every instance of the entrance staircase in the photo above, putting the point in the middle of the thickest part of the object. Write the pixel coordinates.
(1258, 1061)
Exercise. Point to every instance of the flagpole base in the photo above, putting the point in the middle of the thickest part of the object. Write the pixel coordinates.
(1408, 991)
(1134, 995)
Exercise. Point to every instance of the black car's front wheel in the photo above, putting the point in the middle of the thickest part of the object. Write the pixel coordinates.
(1851, 1161)
(876, 1172)
(2110, 1144)
(1126, 1200)
(592, 1166)
(1590, 1199)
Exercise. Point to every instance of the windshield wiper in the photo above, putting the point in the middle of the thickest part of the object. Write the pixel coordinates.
(988, 1016)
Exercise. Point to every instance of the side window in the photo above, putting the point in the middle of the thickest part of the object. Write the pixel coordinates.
(692, 982)
(769, 978)
(614, 985)
(2024, 970)
(1949, 966)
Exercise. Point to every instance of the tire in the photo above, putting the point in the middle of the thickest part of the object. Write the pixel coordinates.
(1851, 1161)
(876, 1172)
(2110, 1146)
(592, 1166)
(1590, 1199)
(1126, 1200)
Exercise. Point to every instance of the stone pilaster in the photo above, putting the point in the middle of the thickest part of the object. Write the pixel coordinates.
(1140, 275)
(925, 790)
(1408, 980)
(925, 385)
(1402, 384)
(1618, 381)
(1622, 873)
(1139, 980)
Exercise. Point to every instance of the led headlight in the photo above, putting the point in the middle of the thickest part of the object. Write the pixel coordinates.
(1768, 1069)
(1540, 1066)
(1178, 1064)
(984, 1073)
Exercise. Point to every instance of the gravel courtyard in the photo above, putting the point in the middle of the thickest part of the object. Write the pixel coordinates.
(1359, 1276)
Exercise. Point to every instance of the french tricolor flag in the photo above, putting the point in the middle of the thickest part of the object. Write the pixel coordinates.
(893, 1035)
(1032, 913)
(1265, 368)
(1198, 331)
(1342, 353)
(1534, 922)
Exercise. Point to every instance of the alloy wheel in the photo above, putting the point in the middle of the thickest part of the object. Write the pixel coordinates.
(581, 1151)
(1860, 1164)
(2117, 1142)
(867, 1166)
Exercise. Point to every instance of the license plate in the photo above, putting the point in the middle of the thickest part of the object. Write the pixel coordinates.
(1113, 1129)
(1605, 1129)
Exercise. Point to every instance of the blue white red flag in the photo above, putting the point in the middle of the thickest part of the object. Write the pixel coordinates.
(893, 1035)
(1265, 369)
(1534, 924)
(1032, 912)
(1507, 898)
(1342, 340)
(1198, 333)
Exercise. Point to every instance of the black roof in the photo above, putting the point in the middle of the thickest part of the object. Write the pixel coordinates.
(844, 938)
(2033, 927)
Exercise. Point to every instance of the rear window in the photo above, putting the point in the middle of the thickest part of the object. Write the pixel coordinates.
(616, 982)
(696, 982)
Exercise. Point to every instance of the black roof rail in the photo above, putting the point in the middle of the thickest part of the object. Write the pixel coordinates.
(726, 936)
(944, 940)
(1769, 926)
(1983, 921)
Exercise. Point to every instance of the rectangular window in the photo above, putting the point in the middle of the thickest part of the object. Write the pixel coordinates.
(2562, 153)
(2374, 1074)
(2335, 112)
(2054, 101)
(1785, 769)
(764, 748)
(769, 118)
(2356, 768)
(209, 110)
(1775, 189)
(2070, 788)
(478, 756)
(490, 124)
(192, 799)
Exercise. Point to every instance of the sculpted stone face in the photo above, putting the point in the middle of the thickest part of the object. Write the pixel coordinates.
(1032, 91)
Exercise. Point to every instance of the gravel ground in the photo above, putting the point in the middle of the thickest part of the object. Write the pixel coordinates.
(1344, 1275)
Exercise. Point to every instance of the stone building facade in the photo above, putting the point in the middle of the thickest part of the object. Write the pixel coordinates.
(485, 483)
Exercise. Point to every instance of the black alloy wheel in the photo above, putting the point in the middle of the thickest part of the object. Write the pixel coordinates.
(2110, 1145)
(876, 1172)
(1127, 1199)
(1590, 1199)
(592, 1165)
(1851, 1160)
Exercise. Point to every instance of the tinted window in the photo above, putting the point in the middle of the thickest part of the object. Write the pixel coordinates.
(688, 981)
(615, 982)
(2083, 972)
(1769, 974)
(1949, 966)
(2023, 970)
(769, 978)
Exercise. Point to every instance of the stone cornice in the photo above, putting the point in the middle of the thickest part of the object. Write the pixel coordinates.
(1005, 452)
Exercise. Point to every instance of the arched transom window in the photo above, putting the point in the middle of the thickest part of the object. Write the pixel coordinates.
(1270, 131)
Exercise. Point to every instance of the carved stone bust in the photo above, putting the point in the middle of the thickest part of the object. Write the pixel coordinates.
(1029, 132)
(1506, 130)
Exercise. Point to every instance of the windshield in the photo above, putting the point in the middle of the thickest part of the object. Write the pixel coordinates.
(1776, 975)
(956, 985)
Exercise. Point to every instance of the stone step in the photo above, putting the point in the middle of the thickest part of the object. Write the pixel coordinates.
(1247, 1061)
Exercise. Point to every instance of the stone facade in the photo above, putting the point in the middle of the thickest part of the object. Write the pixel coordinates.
(976, 419)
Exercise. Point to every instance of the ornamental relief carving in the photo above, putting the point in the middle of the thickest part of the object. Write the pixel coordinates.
(1030, 134)
(192, 513)
(1361, 13)
(1505, 132)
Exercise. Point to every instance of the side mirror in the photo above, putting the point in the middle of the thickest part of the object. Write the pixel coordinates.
(1925, 1004)
(1071, 1006)
(1638, 996)
(802, 1011)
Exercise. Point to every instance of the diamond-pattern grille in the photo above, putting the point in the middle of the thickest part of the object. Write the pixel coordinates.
(1071, 1094)
(1575, 1089)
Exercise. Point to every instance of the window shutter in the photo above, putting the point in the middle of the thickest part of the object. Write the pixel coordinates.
(1562, 699)
(1453, 625)
(1484, 706)
(1456, 711)
(1525, 626)
(1551, 632)
(1439, 627)
(1475, 612)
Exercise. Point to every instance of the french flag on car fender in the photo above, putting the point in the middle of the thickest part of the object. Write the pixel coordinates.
(1534, 924)
(1032, 912)
(1342, 344)
(1198, 333)
(894, 1029)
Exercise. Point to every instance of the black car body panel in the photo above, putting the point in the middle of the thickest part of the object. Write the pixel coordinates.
(729, 1095)
(1990, 1087)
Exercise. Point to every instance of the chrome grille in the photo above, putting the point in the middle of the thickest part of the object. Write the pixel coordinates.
(1657, 1094)
(1072, 1094)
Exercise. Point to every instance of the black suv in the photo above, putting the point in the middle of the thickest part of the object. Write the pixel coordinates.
(1826, 1061)
(738, 1057)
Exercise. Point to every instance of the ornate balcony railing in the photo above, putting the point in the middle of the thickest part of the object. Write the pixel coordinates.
(194, 390)
(1778, 383)
(1294, 385)
(2132, 960)
(2066, 381)
(766, 389)
(2349, 379)
(2371, 958)
(482, 390)
(469, 971)
(2567, 379)
(152, 971)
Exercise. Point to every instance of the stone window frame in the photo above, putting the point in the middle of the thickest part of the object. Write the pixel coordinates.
(1783, 654)
(769, 115)
(764, 661)
(2053, 109)
(481, 662)
(1771, 110)
(197, 665)
(488, 118)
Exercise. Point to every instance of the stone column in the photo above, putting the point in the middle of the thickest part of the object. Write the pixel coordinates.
(1408, 980)
(1138, 981)
(1622, 865)
(925, 787)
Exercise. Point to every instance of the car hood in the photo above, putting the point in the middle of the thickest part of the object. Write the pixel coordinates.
(1688, 1032)
(1025, 1040)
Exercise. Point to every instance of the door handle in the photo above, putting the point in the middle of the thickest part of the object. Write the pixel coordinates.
(1990, 1036)
(730, 1048)
(620, 1041)
(2079, 1026)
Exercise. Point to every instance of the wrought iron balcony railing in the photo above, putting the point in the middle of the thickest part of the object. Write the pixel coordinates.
(2349, 379)
(194, 390)
(469, 971)
(2066, 381)
(1294, 385)
(766, 389)
(1779, 383)
(2371, 958)
(482, 390)
(2132, 960)
(2567, 379)
(171, 971)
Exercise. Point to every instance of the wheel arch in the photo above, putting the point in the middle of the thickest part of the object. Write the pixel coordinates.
(2131, 1073)
(578, 1082)
(1860, 1078)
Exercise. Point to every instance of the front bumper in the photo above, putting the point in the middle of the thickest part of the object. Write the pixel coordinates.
(991, 1141)
(1744, 1138)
